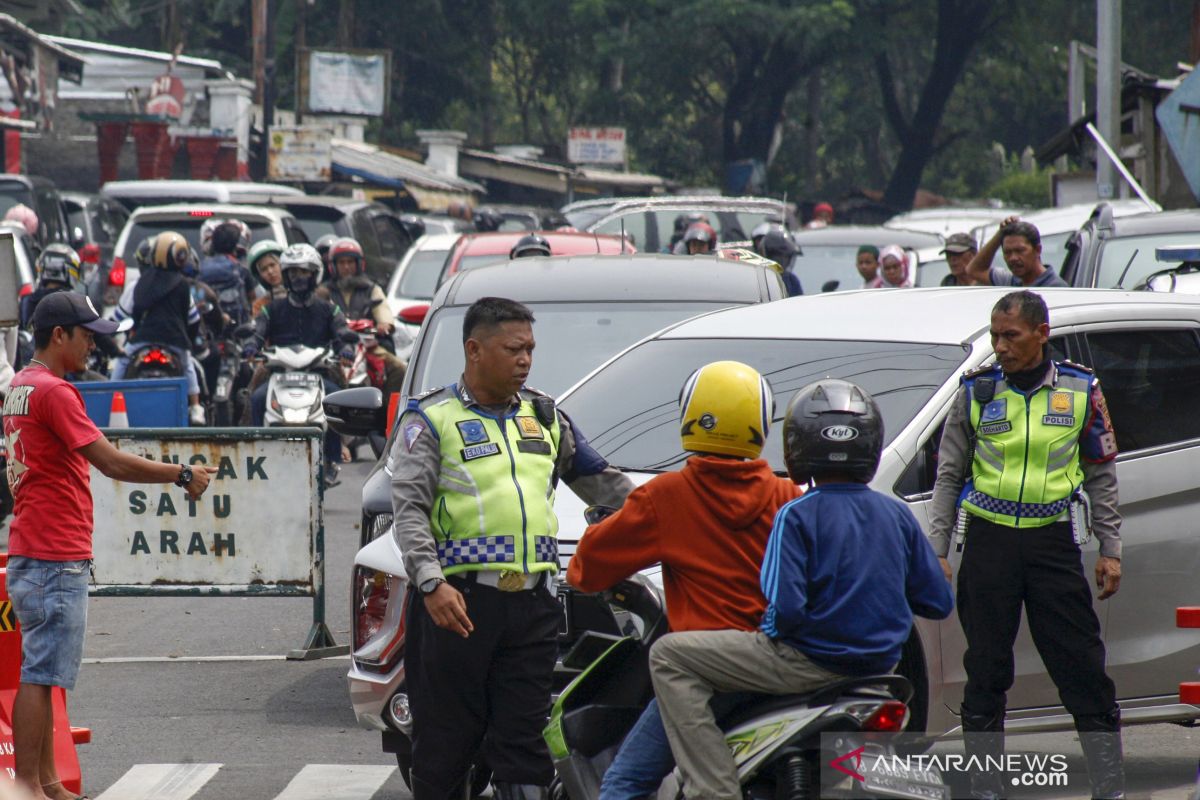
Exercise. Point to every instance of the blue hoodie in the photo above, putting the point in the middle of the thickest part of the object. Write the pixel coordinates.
(845, 570)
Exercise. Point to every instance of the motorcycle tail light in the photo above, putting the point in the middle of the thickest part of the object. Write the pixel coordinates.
(888, 718)
(378, 618)
(156, 356)
(116, 275)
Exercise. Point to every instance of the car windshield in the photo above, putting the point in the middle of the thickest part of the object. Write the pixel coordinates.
(420, 277)
(639, 430)
(1136, 253)
(316, 226)
(14, 193)
(821, 264)
(651, 230)
(572, 339)
(581, 219)
(189, 228)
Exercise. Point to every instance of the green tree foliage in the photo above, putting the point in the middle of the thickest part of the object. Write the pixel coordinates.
(832, 95)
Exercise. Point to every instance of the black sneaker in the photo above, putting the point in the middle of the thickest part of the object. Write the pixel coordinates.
(331, 475)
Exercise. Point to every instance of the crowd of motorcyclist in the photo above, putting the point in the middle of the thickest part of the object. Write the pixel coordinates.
(211, 317)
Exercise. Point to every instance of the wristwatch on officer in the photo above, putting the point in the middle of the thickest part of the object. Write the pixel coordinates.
(429, 586)
(185, 475)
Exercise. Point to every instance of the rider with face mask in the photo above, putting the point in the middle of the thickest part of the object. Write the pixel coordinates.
(300, 318)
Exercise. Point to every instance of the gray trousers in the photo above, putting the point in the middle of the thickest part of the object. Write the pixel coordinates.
(687, 668)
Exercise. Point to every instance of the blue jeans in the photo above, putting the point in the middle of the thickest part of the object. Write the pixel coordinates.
(643, 761)
(50, 598)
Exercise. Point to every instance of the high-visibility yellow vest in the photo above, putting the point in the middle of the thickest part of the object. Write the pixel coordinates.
(1026, 465)
(494, 507)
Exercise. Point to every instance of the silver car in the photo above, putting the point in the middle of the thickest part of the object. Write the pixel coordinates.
(908, 348)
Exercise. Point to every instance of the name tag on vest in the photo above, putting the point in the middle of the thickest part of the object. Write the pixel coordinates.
(995, 427)
(480, 451)
(1066, 420)
(537, 446)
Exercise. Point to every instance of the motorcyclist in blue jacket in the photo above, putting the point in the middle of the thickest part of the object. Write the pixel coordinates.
(845, 569)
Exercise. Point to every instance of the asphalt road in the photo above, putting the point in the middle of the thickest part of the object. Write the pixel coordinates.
(192, 698)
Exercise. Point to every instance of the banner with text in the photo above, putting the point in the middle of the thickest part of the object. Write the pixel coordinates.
(596, 145)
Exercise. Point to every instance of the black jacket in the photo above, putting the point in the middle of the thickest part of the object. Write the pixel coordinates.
(161, 301)
(319, 324)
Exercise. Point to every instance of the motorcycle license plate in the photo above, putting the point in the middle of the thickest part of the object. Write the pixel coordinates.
(300, 379)
(891, 776)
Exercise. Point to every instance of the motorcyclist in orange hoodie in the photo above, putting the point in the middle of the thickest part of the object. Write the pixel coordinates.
(708, 526)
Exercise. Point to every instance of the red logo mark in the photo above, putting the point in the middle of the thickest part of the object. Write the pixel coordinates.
(853, 773)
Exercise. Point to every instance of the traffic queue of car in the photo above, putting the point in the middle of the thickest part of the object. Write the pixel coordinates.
(619, 334)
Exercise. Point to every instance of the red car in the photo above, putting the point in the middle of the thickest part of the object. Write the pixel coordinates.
(477, 249)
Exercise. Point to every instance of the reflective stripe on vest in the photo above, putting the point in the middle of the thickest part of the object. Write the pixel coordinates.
(1026, 464)
(494, 506)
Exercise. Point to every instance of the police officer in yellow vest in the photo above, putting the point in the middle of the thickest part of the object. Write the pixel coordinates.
(1043, 460)
(474, 470)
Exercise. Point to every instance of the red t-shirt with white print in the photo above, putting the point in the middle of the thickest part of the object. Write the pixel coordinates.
(45, 424)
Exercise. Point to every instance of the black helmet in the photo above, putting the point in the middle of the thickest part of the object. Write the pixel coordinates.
(832, 427)
(779, 247)
(530, 245)
(487, 220)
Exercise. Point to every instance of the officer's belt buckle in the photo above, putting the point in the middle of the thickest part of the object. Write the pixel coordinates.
(510, 581)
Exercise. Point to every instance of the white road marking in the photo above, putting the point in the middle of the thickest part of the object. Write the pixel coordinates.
(160, 782)
(336, 782)
(193, 659)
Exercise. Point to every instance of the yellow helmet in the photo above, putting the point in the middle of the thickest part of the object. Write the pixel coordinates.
(725, 408)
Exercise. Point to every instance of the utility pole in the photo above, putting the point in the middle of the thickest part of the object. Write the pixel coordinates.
(263, 33)
(301, 34)
(1108, 91)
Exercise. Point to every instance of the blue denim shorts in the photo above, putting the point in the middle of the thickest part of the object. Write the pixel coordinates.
(50, 599)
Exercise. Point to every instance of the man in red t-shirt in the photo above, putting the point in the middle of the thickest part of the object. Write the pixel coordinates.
(707, 524)
(51, 441)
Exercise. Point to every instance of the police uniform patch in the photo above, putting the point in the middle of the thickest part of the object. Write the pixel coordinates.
(529, 428)
(1102, 407)
(411, 431)
(995, 427)
(997, 409)
(1061, 403)
(1064, 420)
(472, 431)
(480, 451)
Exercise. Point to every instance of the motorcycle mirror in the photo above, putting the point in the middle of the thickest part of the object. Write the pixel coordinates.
(593, 514)
(830, 286)
(356, 412)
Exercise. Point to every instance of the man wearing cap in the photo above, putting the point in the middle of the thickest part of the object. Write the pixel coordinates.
(959, 250)
(50, 442)
(1022, 247)
(822, 216)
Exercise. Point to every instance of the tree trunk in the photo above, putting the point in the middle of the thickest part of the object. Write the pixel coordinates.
(961, 25)
(345, 28)
(812, 130)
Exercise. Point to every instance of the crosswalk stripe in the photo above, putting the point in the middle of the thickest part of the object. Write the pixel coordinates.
(336, 782)
(160, 782)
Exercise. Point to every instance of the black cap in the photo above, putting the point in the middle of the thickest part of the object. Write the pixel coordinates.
(71, 308)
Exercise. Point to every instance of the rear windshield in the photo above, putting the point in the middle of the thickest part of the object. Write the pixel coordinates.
(260, 230)
(639, 430)
(419, 279)
(317, 225)
(14, 193)
(1126, 262)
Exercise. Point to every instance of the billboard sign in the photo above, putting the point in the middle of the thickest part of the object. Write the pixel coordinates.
(345, 82)
(300, 153)
(596, 145)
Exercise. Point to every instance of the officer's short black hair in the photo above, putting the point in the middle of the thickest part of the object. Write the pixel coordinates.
(488, 312)
(1027, 230)
(1029, 306)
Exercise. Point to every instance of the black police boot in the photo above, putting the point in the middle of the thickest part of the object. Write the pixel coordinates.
(520, 791)
(983, 738)
(1100, 738)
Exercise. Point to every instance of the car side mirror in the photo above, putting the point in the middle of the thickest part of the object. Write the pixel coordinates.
(414, 315)
(830, 286)
(356, 412)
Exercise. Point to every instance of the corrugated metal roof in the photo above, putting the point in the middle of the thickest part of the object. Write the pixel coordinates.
(367, 159)
(84, 46)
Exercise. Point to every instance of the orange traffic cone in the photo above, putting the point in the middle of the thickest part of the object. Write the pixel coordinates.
(117, 418)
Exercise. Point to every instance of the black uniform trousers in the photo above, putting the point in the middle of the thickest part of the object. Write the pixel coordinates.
(491, 689)
(1002, 568)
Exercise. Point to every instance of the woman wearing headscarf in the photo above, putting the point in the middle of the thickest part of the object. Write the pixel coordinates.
(893, 269)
